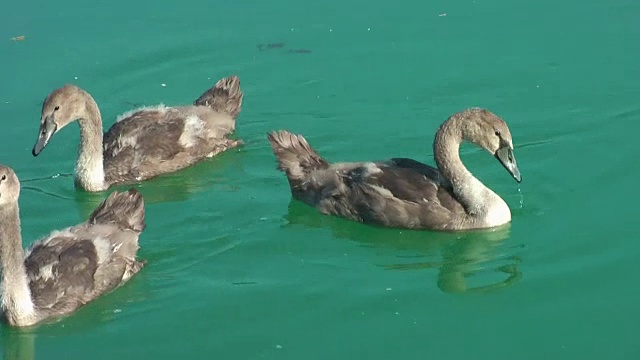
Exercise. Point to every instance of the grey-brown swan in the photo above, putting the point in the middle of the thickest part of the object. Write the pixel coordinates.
(146, 142)
(403, 192)
(70, 267)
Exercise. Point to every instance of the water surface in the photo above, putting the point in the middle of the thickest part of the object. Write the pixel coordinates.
(237, 270)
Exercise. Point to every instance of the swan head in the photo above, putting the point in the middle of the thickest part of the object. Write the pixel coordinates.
(9, 186)
(61, 107)
(489, 131)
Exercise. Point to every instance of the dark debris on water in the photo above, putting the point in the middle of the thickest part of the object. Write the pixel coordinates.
(280, 45)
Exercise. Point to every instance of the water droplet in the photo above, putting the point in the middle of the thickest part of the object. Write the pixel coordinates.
(521, 197)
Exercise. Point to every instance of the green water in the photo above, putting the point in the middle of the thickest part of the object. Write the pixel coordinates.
(239, 271)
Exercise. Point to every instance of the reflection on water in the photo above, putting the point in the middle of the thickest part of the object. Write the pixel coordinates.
(174, 187)
(18, 344)
(459, 257)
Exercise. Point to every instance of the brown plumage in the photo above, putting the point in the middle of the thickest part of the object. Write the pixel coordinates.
(71, 267)
(404, 192)
(145, 142)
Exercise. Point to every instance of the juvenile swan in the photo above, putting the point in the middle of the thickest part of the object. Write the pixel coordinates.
(403, 192)
(71, 267)
(145, 142)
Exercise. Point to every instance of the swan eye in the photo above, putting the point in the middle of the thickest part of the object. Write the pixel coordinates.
(497, 132)
(56, 108)
(4, 177)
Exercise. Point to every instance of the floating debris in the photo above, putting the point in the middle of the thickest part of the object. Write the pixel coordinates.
(271, 46)
(18, 38)
(244, 283)
(263, 47)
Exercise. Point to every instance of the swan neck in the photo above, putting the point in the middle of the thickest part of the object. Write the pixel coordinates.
(16, 296)
(90, 165)
(470, 191)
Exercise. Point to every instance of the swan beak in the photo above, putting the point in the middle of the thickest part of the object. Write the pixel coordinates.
(508, 160)
(47, 128)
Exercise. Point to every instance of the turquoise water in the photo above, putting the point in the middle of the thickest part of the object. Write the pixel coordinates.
(237, 270)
